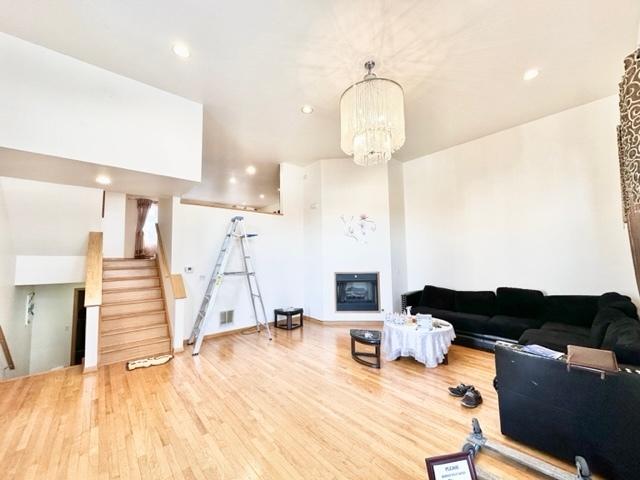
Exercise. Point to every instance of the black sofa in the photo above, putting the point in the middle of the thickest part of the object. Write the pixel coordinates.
(480, 318)
(568, 413)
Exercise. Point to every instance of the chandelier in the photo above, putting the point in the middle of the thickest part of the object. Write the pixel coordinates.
(372, 119)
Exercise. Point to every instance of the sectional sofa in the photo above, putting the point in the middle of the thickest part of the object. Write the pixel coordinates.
(481, 318)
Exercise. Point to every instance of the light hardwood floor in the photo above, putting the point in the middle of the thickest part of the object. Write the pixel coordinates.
(247, 408)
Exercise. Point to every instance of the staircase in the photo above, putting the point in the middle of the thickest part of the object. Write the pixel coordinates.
(133, 321)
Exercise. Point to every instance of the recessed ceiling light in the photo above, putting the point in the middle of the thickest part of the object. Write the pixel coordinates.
(307, 109)
(251, 170)
(103, 180)
(181, 50)
(262, 195)
(233, 180)
(531, 74)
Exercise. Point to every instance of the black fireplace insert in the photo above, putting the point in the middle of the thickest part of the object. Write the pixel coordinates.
(357, 292)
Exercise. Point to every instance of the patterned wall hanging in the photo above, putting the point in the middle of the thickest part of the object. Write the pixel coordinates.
(629, 153)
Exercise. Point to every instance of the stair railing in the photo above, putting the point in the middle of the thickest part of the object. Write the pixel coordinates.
(174, 295)
(93, 300)
(5, 349)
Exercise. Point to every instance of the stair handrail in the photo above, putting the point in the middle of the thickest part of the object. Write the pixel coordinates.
(5, 349)
(177, 283)
(93, 282)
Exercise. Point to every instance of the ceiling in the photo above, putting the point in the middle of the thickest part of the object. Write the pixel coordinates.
(254, 63)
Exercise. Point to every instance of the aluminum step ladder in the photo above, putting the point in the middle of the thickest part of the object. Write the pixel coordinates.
(235, 232)
(476, 441)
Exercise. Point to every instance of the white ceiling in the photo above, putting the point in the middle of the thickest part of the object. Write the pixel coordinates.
(255, 62)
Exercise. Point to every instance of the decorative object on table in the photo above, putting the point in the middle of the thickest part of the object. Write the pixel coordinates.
(372, 119)
(455, 466)
(472, 398)
(366, 337)
(425, 321)
(358, 228)
(289, 313)
(460, 390)
(148, 362)
(629, 153)
(403, 337)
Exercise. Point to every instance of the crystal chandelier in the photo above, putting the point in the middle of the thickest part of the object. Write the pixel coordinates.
(372, 119)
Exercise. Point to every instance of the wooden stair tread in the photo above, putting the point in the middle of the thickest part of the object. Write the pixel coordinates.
(130, 315)
(119, 279)
(139, 328)
(128, 267)
(112, 259)
(133, 302)
(138, 343)
(131, 289)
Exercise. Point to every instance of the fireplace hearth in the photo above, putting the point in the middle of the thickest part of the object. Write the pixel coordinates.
(357, 292)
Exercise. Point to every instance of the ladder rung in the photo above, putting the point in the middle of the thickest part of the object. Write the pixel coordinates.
(239, 273)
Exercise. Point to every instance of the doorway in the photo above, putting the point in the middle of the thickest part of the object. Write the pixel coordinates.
(79, 323)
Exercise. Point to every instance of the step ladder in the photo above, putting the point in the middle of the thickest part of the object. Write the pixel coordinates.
(235, 232)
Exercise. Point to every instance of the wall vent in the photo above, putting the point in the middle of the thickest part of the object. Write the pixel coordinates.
(226, 317)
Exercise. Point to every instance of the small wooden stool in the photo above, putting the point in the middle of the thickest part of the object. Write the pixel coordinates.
(366, 337)
(289, 313)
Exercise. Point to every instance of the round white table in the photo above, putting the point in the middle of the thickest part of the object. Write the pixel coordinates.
(426, 346)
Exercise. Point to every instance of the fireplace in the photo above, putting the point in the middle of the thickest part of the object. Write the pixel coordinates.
(357, 292)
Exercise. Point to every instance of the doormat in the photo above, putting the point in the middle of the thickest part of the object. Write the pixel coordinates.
(148, 362)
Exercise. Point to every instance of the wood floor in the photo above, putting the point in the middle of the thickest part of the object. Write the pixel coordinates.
(247, 408)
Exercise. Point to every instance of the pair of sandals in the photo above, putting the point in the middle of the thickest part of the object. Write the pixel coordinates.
(471, 397)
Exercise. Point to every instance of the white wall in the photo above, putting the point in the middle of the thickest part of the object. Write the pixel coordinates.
(534, 206)
(50, 269)
(51, 327)
(313, 246)
(113, 225)
(338, 187)
(18, 335)
(131, 221)
(56, 105)
(397, 229)
(277, 252)
(51, 219)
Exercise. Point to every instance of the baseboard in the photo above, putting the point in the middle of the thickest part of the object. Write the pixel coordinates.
(224, 333)
(344, 323)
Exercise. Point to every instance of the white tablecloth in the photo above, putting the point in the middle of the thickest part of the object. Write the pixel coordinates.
(428, 347)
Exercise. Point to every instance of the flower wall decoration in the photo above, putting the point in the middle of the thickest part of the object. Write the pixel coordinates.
(358, 228)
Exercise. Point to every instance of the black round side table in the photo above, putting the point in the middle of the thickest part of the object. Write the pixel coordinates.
(366, 337)
(289, 313)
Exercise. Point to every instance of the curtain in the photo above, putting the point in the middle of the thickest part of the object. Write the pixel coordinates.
(143, 209)
(629, 153)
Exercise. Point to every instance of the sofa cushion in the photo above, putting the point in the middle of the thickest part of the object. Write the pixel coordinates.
(519, 302)
(437, 297)
(477, 303)
(564, 327)
(623, 337)
(510, 327)
(462, 322)
(577, 310)
(554, 340)
(619, 302)
(605, 317)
